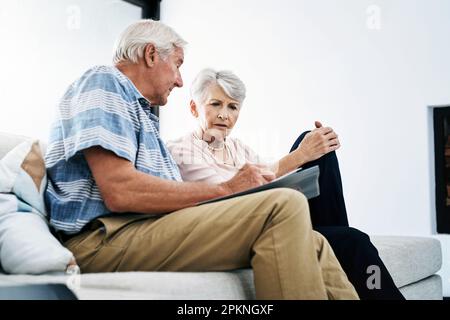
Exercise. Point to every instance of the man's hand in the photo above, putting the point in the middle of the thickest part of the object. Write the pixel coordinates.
(318, 142)
(249, 176)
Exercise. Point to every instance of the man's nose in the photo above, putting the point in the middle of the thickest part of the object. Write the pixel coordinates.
(179, 80)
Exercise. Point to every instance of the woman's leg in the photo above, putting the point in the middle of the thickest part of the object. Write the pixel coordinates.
(352, 247)
(328, 209)
(356, 254)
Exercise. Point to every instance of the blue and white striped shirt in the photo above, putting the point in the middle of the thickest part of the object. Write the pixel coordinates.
(102, 108)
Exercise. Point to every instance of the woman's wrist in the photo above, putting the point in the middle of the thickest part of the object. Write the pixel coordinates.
(300, 157)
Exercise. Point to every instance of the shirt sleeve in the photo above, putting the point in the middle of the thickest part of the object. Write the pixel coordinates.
(97, 112)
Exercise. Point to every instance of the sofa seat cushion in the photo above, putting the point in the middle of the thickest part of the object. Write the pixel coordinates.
(409, 259)
(237, 284)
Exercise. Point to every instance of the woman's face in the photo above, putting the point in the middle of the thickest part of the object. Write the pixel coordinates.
(217, 111)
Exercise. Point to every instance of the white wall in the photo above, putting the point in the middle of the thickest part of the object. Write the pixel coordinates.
(307, 60)
(44, 46)
(367, 68)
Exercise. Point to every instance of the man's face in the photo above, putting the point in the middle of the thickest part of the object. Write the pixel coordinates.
(166, 76)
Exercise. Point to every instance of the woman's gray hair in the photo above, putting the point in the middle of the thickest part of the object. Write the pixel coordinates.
(131, 43)
(227, 80)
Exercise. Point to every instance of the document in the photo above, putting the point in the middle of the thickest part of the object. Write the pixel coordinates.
(304, 180)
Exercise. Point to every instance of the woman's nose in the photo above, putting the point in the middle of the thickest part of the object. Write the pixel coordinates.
(223, 115)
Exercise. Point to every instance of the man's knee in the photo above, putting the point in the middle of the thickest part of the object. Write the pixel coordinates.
(287, 195)
(319, 239)
(289, 202)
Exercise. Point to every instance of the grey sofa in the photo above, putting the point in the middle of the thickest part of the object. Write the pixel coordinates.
(412, 262)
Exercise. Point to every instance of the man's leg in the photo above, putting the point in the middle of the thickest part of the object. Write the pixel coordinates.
(270, 231)
(332, 274)
(356, 254)
(328, 209)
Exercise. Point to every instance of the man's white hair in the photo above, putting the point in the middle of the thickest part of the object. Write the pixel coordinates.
(227, 80)
(131, 43)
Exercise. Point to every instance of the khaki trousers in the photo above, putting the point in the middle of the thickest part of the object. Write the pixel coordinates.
(269, 231)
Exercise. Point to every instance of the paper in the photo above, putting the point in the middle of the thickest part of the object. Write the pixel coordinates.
(304, 180)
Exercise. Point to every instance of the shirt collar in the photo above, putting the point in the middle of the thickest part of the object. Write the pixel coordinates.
(143, 102)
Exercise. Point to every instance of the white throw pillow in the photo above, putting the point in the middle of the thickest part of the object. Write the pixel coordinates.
(26, 244)
(23, 173)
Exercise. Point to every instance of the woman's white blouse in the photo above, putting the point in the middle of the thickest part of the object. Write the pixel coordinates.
(197, 162)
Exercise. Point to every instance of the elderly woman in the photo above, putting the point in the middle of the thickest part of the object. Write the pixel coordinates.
(209, 154)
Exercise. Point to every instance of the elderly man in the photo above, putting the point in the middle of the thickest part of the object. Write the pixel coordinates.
(116, 198)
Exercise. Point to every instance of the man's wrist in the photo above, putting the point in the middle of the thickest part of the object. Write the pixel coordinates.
(224, 189)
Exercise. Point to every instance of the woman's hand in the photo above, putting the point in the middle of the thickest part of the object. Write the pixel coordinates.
(318, 142)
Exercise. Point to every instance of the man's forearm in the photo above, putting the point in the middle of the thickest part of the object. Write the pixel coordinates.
(143, 193)
(125, 189)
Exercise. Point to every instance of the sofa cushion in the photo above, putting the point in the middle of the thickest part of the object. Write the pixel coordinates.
(8, 141)
(22, 173)
(409, 259)
(182, 285)
(26, 244)
(237, 284)
(405, 257)
(427, 289)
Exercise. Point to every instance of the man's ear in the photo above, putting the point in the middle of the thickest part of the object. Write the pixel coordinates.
(150, 55)
(194, 110)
